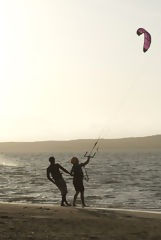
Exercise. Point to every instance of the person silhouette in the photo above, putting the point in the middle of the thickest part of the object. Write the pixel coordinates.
(55, 176)
(77, 174)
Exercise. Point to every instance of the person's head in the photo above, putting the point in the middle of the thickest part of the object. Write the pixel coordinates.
(52, 160)
(74, 160)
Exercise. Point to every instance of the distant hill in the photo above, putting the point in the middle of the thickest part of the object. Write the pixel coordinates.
(82, 145)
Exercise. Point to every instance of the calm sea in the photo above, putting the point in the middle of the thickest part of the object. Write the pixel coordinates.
(116, 179)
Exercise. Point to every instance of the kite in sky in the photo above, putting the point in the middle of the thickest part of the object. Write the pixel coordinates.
(147, 38)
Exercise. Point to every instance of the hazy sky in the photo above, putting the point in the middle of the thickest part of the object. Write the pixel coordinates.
(72, 69)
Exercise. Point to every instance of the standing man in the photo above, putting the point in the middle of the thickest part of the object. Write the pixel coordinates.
(77, 174)
(55, 176)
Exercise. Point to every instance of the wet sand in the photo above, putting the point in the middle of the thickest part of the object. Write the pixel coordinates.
(24, 221)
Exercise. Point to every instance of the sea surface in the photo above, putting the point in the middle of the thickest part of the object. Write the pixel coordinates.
(129, 180)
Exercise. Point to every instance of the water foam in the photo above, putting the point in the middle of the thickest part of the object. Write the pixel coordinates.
(6, 162)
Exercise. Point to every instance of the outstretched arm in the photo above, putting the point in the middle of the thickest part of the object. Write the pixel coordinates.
(48, 176)
(87, 161)
(64, 170)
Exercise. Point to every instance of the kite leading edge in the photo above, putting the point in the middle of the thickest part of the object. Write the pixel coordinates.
(147, 38)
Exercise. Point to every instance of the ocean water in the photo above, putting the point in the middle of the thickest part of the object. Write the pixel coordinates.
(130, 180)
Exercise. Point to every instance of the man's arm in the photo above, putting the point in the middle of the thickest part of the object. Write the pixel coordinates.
(86, 162)
(48, 176)
(63, 169)
(71, 172)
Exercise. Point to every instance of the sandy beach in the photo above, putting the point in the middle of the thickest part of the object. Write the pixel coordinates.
(22, 221)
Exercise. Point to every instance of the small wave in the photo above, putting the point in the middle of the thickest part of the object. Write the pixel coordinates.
(6, 162)
(111, 181)
(94, 197)
(9, 164)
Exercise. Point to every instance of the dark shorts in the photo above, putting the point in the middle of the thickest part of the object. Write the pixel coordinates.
(61, 184)
(78, 185)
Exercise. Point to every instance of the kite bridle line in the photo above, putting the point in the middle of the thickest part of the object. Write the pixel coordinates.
(117, 113)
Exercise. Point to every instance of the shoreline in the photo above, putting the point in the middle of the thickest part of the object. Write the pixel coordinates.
(132, 210)
(44, 221)
(88, 207)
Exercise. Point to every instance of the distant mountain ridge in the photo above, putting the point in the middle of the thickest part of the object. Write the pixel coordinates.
(83, 145)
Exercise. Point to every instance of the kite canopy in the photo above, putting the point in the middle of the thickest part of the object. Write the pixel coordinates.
(147, 38)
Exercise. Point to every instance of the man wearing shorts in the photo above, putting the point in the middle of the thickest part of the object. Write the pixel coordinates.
(55, 176)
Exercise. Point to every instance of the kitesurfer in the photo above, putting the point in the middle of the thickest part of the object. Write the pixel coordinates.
(77, 174)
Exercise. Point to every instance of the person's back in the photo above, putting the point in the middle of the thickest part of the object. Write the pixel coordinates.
(55, 172)
(77, 171)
